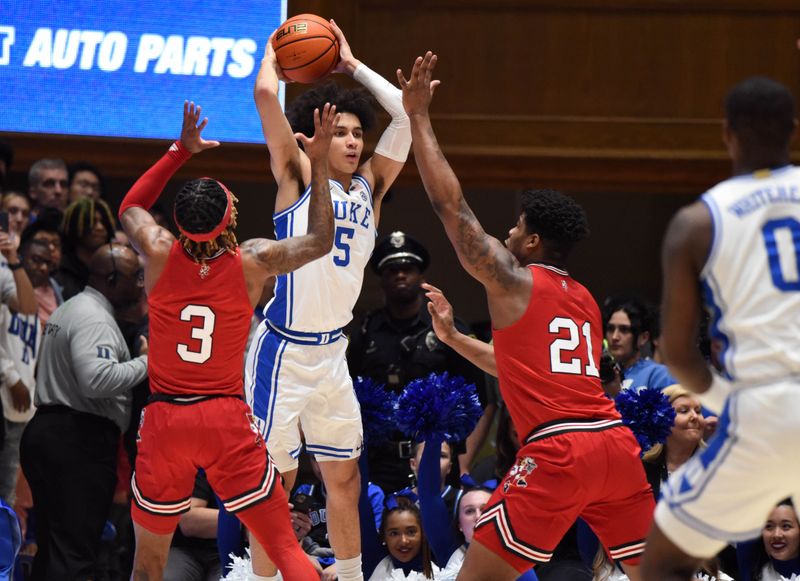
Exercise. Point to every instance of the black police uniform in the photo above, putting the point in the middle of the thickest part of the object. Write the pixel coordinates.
(395, 352)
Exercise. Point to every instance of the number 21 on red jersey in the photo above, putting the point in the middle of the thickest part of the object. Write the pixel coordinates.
(572, 354)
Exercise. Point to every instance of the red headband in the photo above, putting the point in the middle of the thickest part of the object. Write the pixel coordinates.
(219, 228)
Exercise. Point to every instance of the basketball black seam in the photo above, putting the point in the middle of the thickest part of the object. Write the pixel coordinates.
(304, 38)
(309, 62)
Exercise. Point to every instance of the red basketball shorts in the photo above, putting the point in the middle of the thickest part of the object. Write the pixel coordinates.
(177, 439)
(574, 469)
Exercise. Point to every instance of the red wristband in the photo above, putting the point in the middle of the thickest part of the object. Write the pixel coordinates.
(148, 188)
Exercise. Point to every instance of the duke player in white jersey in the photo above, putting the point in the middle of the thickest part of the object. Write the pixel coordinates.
(296, 374)
(738, 251)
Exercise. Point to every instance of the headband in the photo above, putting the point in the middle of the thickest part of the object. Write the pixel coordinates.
(219, 228)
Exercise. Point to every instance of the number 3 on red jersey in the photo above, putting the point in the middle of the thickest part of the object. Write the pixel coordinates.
(202, 333)
(562, 356)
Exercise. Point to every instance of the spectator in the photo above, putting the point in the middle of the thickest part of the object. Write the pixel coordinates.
(397, 344)
(69, 449)
(6, 159)
(628, 330)
(37, 259)
(18, 207)
(404, 540)
(776, 555)
(47, 184)
(686, 438)
(87, 225)
(47, 229)
(19, 333)
(85, 181)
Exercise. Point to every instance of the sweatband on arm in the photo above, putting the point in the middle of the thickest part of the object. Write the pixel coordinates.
(145, 192)
(395, 142)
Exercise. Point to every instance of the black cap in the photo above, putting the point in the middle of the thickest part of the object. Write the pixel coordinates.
(399, 248)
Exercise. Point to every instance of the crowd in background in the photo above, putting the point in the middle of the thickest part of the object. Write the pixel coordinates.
(423, 498)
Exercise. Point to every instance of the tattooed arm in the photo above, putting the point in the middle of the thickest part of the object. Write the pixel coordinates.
(483, 256)
(270, 257)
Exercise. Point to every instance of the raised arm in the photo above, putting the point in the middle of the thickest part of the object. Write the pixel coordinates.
(483, 256)
(290, 167)
(278, 257)
(685, 250)
(475, 351)
(23, 299)
(147, 237)
(391, 152)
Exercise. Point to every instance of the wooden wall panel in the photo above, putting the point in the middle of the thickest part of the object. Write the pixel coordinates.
(618, 101)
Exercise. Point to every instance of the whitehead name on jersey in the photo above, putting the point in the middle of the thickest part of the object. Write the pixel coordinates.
(751, 279)
(319, 297)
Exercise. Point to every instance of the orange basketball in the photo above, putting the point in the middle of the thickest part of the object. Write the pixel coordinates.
(306, 48)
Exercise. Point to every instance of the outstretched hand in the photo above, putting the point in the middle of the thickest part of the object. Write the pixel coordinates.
(190, 132)
(441, 313)
(317, 147)
(419, 88)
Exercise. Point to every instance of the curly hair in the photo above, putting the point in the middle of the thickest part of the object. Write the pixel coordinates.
(79, 217)
(199, 207)
(300, 112)
(556, 218)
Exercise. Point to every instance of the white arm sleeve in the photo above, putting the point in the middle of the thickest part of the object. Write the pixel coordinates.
(396, 139)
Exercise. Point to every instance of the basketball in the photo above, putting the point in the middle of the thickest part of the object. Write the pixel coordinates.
(306, 48)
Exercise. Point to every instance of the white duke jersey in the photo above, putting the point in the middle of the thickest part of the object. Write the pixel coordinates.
(319, 296)
(751, 279)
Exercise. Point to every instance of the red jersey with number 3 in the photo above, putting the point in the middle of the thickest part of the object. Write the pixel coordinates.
(548, 361)
(199, 323)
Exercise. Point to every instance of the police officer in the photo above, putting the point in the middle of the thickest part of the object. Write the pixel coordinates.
(396, 344)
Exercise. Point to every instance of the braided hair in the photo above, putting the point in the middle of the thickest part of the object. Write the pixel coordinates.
(199, 208)
(79, 217)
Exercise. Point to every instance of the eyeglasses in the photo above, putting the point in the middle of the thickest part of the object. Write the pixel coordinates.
(87, 185)
(40, 261)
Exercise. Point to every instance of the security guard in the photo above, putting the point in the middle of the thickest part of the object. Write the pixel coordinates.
(396, 344)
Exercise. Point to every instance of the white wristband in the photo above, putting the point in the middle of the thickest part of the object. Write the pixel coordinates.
(714, 398)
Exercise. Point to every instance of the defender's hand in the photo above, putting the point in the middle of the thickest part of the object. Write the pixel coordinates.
(441, 313)
(190, 132)
(317, 147)
(418, 90)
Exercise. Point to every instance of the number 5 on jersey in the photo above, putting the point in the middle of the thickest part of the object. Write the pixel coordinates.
(563, 356)
(203, 332)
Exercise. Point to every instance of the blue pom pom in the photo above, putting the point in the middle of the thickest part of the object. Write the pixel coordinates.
(378, 407)
(648, 413)
(438, 406)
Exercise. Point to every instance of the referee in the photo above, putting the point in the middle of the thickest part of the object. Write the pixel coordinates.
(69, 448)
